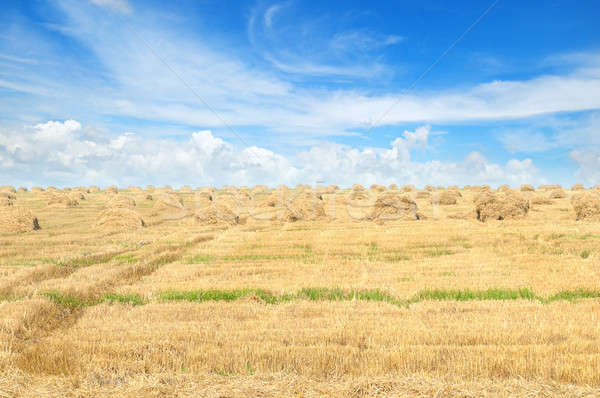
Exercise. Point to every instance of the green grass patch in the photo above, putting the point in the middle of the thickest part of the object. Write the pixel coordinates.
(585, 254)
(438, 251)
(127, 259)
(200, 258)
(133, 299)
(470, 295)
(67, 300)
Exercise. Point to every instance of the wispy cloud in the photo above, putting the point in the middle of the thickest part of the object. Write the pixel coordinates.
(121, 6)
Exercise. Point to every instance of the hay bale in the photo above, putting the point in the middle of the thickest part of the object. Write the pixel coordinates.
(167, 201)
(94, 189)
(577, 187)
(393, 187)
(259, 188)
(394, 206)
(149, 187)
(289, 206)
(77, 195)
(5, 202)
(67, 189)
(586, 206)
(444, 198)
(135, 189)
(527, 188)
(549, 187)
(500, 206)
(8, 188)
(61, 200)
(16, 219)
(540, 200)
(408, 188)
(8, 195)
(378, 188)
(22, 189)
(120, 219)
(358, 187)
(504, 188)
(37, 189)
(186, 189)
(423, 195)
(112, 189)
(359, 195)
(121, 201)
(558, 194)
(429, 188)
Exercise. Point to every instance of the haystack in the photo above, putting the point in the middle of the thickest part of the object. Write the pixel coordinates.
(408, 188)
(558, 194)
(186, 189)
(444, 198)
(423, 195)
(22, 189)
(94, 188)
(5, 201)
(112, 189)
(577, 187)
(540, 200)
(378, 188)
(217, 213)
(527, 188)
(37, 189)
(504, 188)
(8, 188)
(289, 206)
(149, 187)
(135, 189)
(61, 200)
(586, 206)
(120, 219)
(121, 201)
(393, 187)
(429, 188)
(549, 187)
(394, 206)
(358, 187)
(259, 188)
(167, 201)
(16, 219)
(8, 195)
(77, 195)
(500, 206)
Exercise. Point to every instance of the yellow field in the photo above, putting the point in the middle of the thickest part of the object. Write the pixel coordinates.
(442, 306)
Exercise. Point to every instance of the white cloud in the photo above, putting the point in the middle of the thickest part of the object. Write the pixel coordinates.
(66, 153)
(115, 5)
(589, 165)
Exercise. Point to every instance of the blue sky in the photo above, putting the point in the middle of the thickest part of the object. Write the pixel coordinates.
(211, 92)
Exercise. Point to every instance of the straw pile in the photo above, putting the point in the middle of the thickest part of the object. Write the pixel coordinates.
(8, 195)
(540, 200)
(408, 188)
(429, 188)
(8, 188)
(549, 187)
(4, 201)
(558, 194)
(394, 206)
(500, 206)
(61, 200)
(423, 195)
(121, 202)
(586, 206)
(16, 219)
(527, 188)
(167, 201)
(445, 198)
(94, 188)
(22, 189)
(111, 189)
(378, 188)
(37, 189)
(577, 187)
(185, 189)
(358, 187)
(393, 187)
(120, 219)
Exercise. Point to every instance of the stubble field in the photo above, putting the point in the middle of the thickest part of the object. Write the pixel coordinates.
(339, 305)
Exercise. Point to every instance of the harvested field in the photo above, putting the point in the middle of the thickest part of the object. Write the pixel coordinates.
(340, 292)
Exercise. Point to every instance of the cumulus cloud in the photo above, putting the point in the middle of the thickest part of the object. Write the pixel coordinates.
(67, 153)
